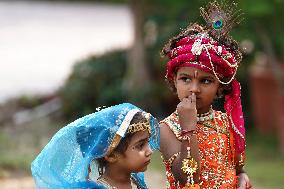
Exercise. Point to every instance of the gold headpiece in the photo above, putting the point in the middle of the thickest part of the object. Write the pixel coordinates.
(140, 126)
(133, 128)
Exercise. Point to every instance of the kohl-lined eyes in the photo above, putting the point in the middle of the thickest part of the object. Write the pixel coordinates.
(140, 145)
(202, 80)
(185, 79)
(207, 81)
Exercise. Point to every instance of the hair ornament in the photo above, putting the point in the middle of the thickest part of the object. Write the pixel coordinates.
(140, 126)
(221, 17)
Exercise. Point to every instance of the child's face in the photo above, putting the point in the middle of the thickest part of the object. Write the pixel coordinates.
(137, 156)
(192, 80)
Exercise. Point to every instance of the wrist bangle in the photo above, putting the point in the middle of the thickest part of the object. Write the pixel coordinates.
(186, 132)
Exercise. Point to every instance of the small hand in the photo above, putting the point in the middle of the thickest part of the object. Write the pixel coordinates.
(187, 112)
(243, 181)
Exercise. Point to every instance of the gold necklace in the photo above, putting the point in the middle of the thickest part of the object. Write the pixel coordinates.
(103, 181)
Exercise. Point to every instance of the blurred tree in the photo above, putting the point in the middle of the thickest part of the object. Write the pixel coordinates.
(137, 74)
(92, 84)
(143, 78)
(263, 26)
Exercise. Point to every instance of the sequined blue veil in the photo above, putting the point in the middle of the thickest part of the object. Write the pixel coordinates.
(64, 161)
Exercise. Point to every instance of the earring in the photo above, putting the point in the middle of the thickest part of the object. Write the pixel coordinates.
(220, 96)
(101, 170)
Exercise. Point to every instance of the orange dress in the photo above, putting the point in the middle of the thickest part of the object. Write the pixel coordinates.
(216, 150)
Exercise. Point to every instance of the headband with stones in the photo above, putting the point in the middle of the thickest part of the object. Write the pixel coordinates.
(126, 127)
(141, 126)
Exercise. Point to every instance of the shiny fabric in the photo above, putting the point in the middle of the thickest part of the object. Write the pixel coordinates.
(233, 107)
(64, 161)
(223, 61)
(216, 149)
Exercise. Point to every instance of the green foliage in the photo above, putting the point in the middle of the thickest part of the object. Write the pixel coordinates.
(96, 81)
(261, 17)
(28, 101)
(264, 18)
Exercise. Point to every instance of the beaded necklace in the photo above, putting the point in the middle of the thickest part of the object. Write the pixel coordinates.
(206, 116)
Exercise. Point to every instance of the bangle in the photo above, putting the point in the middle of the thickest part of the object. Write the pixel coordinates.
(186, 132)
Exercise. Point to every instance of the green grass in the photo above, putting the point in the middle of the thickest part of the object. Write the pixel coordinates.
(15, 162)
(264, 162)
(156, 162)
(19, 145)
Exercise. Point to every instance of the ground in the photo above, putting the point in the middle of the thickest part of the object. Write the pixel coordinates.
(154, 179)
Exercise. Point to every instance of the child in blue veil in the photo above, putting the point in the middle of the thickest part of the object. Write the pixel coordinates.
(107, 149)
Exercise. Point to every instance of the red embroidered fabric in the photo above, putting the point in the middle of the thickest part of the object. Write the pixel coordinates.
(216, 149)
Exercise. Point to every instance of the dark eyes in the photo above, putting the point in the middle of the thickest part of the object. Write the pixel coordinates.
(141, 144)
(188, 79)
(206, 81)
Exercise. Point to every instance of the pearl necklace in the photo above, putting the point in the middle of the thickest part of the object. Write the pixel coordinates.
(206, 116)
